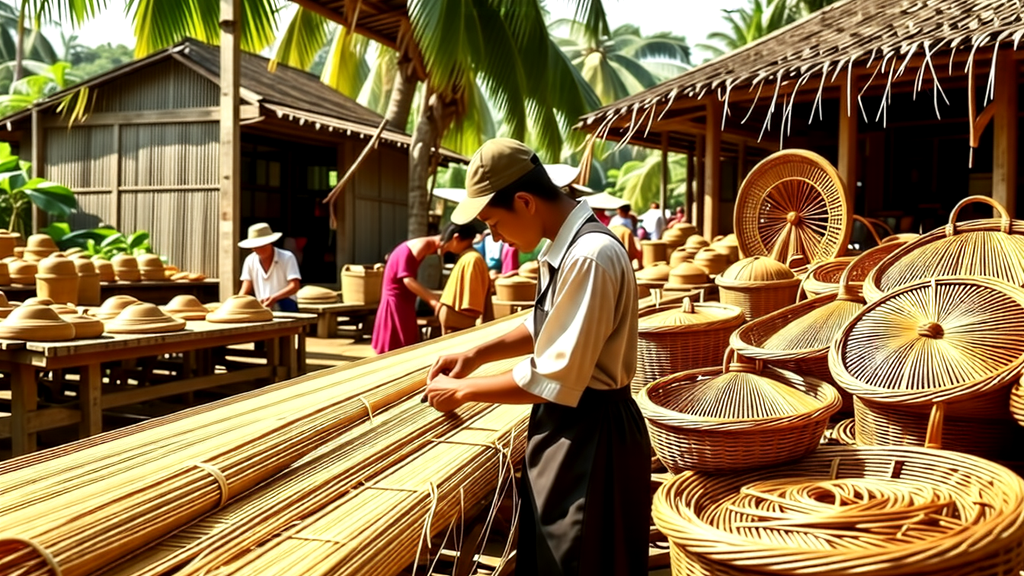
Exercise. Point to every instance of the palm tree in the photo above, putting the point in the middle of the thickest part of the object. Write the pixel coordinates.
(623, 63)
(761, 18)
(75, 11)
(639, 181)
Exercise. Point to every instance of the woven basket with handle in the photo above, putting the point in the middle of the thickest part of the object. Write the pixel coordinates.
(686, 337)
(848, 510)
(742, 415)
(757, 285)
(992, 248)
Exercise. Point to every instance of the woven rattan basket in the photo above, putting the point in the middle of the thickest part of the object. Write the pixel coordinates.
(823, 278)
(654, 251)
(758, 285)
(992, 248)
(688, 337)
(798, 337)
(742, 415)
(1017, 402)
(793, 202)
(848, 510)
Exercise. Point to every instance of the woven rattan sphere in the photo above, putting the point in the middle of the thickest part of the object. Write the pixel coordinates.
(792, 203)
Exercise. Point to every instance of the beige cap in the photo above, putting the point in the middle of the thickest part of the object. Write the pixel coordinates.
(497, 164)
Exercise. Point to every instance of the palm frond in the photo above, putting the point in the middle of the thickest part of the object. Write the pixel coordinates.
(502, 75)
(303, 37)
(448, 37)
(346, 69)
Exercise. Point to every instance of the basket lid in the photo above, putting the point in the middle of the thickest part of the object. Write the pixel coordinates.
(22, 268)
(708, 253)
(692, 315)
(56, 265)
(125, 261)
(35, 322)
(112, 306)
(240, 309)
(149, 262)
(688, 273)
(514, 281)
(530, 269)
(185, 303)
(757, 269)
(144, 317)
(815, 330)
(656, 272)
(743, 391)
(696, 241)
(84, 266)
(40, 242)
(5, 233)
(85, 326)
(932, 341)
(316, 294)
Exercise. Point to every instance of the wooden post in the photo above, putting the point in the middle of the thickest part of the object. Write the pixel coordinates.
(228, 264)
(115, 181)
(24, 401)
(1004, 149)
(698, 212)
(664, 172)
(741, 163)
(712, 167)
(848, 142)
(89, 389)
(691, 197)
(38, 158)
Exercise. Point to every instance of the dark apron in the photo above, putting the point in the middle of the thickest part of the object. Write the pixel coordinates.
(586, 497)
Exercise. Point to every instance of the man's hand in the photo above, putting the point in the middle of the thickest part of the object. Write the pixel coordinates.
(268, 301)
(453, 366)
(443, 393)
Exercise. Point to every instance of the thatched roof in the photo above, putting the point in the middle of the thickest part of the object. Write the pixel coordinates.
(912, 41)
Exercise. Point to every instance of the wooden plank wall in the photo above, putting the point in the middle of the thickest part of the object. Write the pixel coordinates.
(380, 192)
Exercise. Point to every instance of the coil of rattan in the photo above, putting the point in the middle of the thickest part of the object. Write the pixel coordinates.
(758, 285)
(688, 337)
(793, 202)
(742, 415)
(848, 510)
(845, 432)
(939, 340)
(991, 248)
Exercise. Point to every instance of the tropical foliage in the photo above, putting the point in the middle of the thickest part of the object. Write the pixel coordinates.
(18, 191)
(760, 18)
(639, 181)
(45, 80)
(104, 242)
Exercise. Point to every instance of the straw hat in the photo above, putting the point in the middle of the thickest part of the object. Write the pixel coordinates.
(260, 234)
(186, 307)
(112, 306)
(144, 318)
(36, 322)
(240, 309)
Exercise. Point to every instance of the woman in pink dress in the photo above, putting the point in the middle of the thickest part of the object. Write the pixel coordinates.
(395, 325)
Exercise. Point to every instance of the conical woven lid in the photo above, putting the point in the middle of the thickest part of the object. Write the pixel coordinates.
(85, 326)
(240, 309)
(36, 322)
(84, 266)
(956, 335)
(530, 269)
(688, 273)
(56, 265)
(316, 294)
(710, 256)
(757, 269)
(22, 268)
(657, 272)
(143, 317)
(737, 395)
(693, 315)
(149, 262)
(40, 243)
(125, 262)
(696, 241)
(815, 330)
(186, 307)
(684, 229)
(112, 306)
(982, 253)
(38, 300)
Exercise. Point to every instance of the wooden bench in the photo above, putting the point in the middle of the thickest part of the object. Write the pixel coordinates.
(327, 316)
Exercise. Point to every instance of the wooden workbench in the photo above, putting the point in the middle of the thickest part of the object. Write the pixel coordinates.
(152, 291)
(327, 315)
(285, 358)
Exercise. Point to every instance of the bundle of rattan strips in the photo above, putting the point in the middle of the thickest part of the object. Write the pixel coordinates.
(742, 415)
(849, 510)
(686, 337)
(993, 248)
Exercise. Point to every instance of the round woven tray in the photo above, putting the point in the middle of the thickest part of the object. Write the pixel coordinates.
(991, 248)
(736, 417)
(663, 350)
(848, 510)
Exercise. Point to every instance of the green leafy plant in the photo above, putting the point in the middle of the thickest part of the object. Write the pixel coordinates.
(20, 190)
(103, 242)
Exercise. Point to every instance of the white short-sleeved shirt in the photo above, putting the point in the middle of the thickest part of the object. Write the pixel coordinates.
(590, 336)
(267, 283)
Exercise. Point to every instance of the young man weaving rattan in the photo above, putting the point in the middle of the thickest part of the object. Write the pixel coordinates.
(586, 488)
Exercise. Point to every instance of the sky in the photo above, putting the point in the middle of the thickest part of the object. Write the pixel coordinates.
(690, 18)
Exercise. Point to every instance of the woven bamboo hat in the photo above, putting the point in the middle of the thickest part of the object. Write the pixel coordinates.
(36, 322)
(316, 295)
(259, 234)
(939, 340)
(113, 306)
(143, 318)
(186, 307)
(240, 309)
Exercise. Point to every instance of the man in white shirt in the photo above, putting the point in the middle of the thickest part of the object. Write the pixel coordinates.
(653, 221)
(269, 273)
(585, 486)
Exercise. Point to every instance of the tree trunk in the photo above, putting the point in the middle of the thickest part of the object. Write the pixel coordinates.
(19, 44)
(402, 93)
(434, 119)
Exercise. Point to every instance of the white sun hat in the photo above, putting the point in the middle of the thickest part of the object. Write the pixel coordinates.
(260, 234)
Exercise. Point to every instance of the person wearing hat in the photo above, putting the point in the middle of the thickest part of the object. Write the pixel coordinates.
(585, 507)
(270, 274)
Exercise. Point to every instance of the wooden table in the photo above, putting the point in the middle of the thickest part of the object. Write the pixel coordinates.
(285, 354)
(327, 315)
(152, 291)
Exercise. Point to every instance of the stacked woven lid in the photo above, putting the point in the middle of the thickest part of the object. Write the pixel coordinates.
(694, 243)
(848, 510)
(515, 289)
(57, 279)
(677, 234)
(933, 363)
(685, 337)
(743, 415)
(143, 318)
(151, 267)
(712, 260)
(22, 271)
(126, 267)
(105, 268)
(759, 285)
(240, 309)
(113, 306)
(39, 246)
(88, 281)
(728, 246)
(656, 274)
(186, 307)
(316, 295)
(36, 322)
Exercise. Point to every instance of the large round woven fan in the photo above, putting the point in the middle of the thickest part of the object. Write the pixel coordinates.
(792, 203)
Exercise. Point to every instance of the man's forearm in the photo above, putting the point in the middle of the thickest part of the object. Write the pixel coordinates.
(497, 389)
(517, 342)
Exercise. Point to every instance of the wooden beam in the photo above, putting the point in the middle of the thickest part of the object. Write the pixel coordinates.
(848, 119)
(1004, 160)
(698, 211)
(664, 172)
(115, 180)
(180, 115)
(712, 168)
(228, 264)
(691, 197)
(38, 158)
